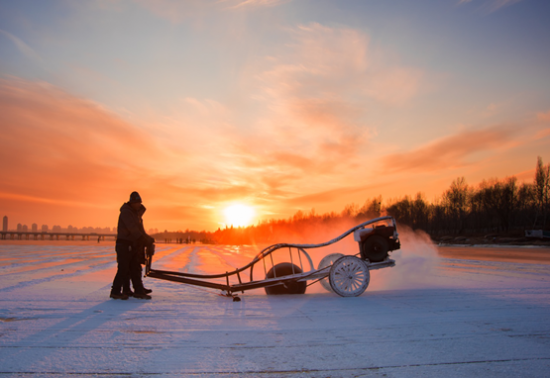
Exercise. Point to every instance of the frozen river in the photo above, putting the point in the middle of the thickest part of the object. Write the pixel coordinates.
(433, 315)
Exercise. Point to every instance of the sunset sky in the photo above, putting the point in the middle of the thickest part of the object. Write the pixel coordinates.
(278, 105)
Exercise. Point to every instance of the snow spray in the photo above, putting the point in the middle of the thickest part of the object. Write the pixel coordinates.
(415, 263)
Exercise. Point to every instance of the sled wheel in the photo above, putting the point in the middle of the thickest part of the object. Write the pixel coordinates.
(375, 249)
(327, 261)
(281, 270)
(349, 276)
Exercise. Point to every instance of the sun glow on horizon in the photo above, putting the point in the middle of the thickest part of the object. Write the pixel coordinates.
(239, 215)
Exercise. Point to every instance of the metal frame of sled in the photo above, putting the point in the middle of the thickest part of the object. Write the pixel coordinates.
(348, 276)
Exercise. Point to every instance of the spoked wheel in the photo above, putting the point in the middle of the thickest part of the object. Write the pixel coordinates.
(328, 260)
(349, 276)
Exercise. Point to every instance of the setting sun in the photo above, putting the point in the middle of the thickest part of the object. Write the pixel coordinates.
(238, 215)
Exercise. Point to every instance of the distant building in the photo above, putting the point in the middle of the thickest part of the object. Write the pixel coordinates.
(19, 227)
(25, 228)
(5, 223)
(44, 228)
(34, 227)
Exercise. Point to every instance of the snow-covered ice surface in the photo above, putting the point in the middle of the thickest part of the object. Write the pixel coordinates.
(426, 317)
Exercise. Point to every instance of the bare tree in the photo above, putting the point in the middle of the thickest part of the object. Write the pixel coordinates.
(508, 201)
(401, 210)
(371, 209)
(541, 191)
(420, 212)
(456, 200)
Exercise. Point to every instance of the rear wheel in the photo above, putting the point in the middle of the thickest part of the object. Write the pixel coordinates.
(282, 270)
(328, 260)
(349, 276)
(375, 249)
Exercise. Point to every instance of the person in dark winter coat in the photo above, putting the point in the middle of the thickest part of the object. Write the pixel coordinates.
(130, 243)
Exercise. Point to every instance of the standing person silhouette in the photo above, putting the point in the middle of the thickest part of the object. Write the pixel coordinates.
(130, 241)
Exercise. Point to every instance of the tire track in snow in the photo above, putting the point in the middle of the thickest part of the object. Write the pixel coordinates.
(106, 260)
(92, 269)
(172, 259)
(300, 372)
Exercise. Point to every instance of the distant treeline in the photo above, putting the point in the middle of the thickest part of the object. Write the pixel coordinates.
(495, 206)
(501, 207)
(183, 237)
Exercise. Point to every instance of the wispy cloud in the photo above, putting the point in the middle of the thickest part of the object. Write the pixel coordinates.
(451, 151)
(176, 11)
(498, 4)
(310, 101)
(62, 150)
(66, 155)
(317, 90)
(248, 3)
(43, 200)
(307, 131)
(491, 5)
(320, 197)
(545, 117)
(23, 48)
(327, 62)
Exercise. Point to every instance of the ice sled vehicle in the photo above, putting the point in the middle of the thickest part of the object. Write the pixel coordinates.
(346, 275)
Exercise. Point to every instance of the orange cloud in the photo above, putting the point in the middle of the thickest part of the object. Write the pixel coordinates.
(542, 133)
(450, 151)
(316, 92)
(62, 152)
(394, 85)
(544, 117)
(176, 11)
(69, 160)
(324, 62)
(246, 3)
(311, 101)
(296, 166)
(335, 195)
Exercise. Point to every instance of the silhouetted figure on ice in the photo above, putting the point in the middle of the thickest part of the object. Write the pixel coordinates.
(130, 243)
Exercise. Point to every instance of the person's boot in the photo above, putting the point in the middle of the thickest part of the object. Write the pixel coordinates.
(116, 295)
(126, 289)
(147, 291)
(141, 295)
